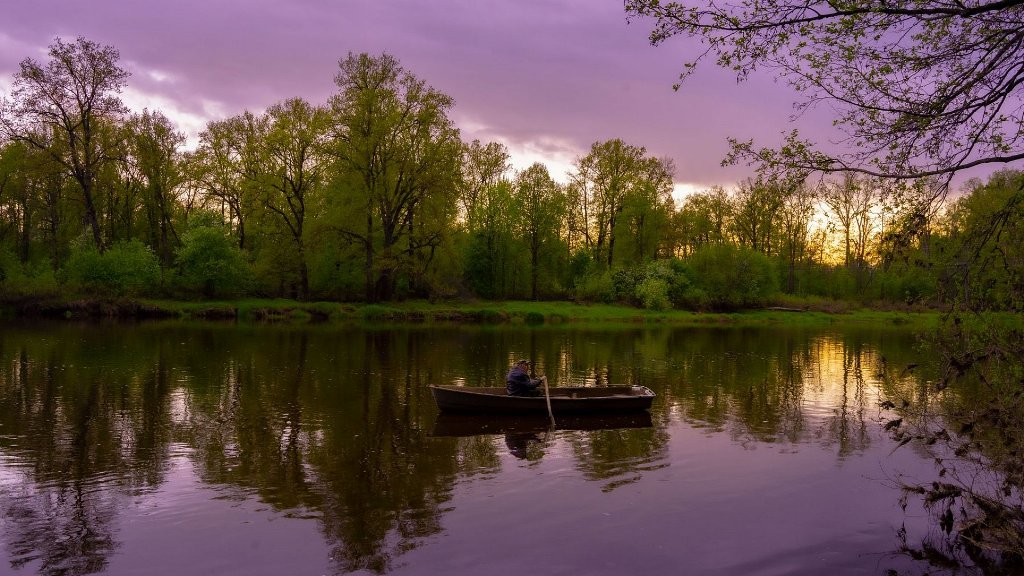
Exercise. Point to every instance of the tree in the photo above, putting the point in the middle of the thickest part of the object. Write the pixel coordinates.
(794, 224)
(647, 210)
(61, 108)
(604, 179)
(155, 148)
(15, 207)
(983, 270)
(757, 203)
(489, 265)
(483, 166)
(289, 170)
(485, 196)
(925, 88)
(394, 137)
(842, 200)
(222, 166)
(704, 218)
(50, 185)
(921, 88)
(538, 208)
(208, 260)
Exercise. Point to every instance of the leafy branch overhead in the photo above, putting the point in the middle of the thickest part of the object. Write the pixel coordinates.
(919, 88)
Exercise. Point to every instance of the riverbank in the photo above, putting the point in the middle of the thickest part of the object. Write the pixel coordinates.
(480, 312)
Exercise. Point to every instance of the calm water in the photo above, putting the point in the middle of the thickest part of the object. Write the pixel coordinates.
(171, 449)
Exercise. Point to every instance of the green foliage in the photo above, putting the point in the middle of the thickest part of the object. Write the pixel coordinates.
(394, 137)
(539, 204)
(596, 287)
(274, 268)
(678, 287)
(376, 312)
(126, 269)
(581, 264)
(657, 285)
(653, 294)
(441, 279)
(10, 268)
(308, 216)
(624, 283)
(39, 280)
(17, 279)
(982, 261)
(479, 268)
(907, 286)
(82, 80)
(624, 198)
(336, 274)
(211, 264)
(732, 277)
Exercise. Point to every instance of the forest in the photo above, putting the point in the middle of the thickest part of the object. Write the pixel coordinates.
(373, 196)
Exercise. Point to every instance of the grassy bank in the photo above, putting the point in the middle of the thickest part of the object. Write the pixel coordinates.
(511, 312)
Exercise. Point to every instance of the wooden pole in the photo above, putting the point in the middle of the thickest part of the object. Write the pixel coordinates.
(547, 398)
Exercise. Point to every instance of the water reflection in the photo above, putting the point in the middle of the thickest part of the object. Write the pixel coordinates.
(526, 437)
(334, 425)
(446, 424)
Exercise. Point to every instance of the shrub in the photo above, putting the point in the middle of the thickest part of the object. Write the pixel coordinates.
(479, 268)
(534, 318)
(653, 294)
(733, 277)
(12, 276)
(336, 275)
(210, 263)
(596, 288)
(912, 287)
(624, 284)
(668, 276)
(581, 266)
(31, 279)
(39, 280)
(126, 269)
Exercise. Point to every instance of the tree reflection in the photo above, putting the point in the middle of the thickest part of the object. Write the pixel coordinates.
(87, 447)
(332, 425)
(336, 423)
(525, 445)
(772, 386)
(972, 432)
(619, 456)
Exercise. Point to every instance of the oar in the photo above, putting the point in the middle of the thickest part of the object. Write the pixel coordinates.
(547, 397)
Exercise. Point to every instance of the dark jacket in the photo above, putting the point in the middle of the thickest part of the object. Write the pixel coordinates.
(519, 383)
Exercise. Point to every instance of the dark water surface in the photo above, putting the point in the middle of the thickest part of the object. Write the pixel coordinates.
(171, 449)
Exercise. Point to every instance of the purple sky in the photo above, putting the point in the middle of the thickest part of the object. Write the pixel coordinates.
(546, 77)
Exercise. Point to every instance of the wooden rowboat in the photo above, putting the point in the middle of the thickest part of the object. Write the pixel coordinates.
(568, 400)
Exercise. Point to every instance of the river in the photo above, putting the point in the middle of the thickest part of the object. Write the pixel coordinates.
(170, 449)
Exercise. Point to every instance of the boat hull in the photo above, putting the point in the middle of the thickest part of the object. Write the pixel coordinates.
(577, 400)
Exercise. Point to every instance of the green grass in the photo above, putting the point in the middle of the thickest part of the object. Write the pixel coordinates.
(515, 312)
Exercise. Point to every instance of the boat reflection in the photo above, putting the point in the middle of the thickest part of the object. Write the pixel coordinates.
(525, 445)
(476, 425)
(527, 436)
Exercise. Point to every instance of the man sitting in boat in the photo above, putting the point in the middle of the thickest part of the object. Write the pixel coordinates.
(519, 383)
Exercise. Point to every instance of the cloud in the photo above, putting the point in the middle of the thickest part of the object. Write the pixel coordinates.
(189, 123)
(546, 77)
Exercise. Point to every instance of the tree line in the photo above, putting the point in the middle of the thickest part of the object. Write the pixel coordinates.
(374, 196)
